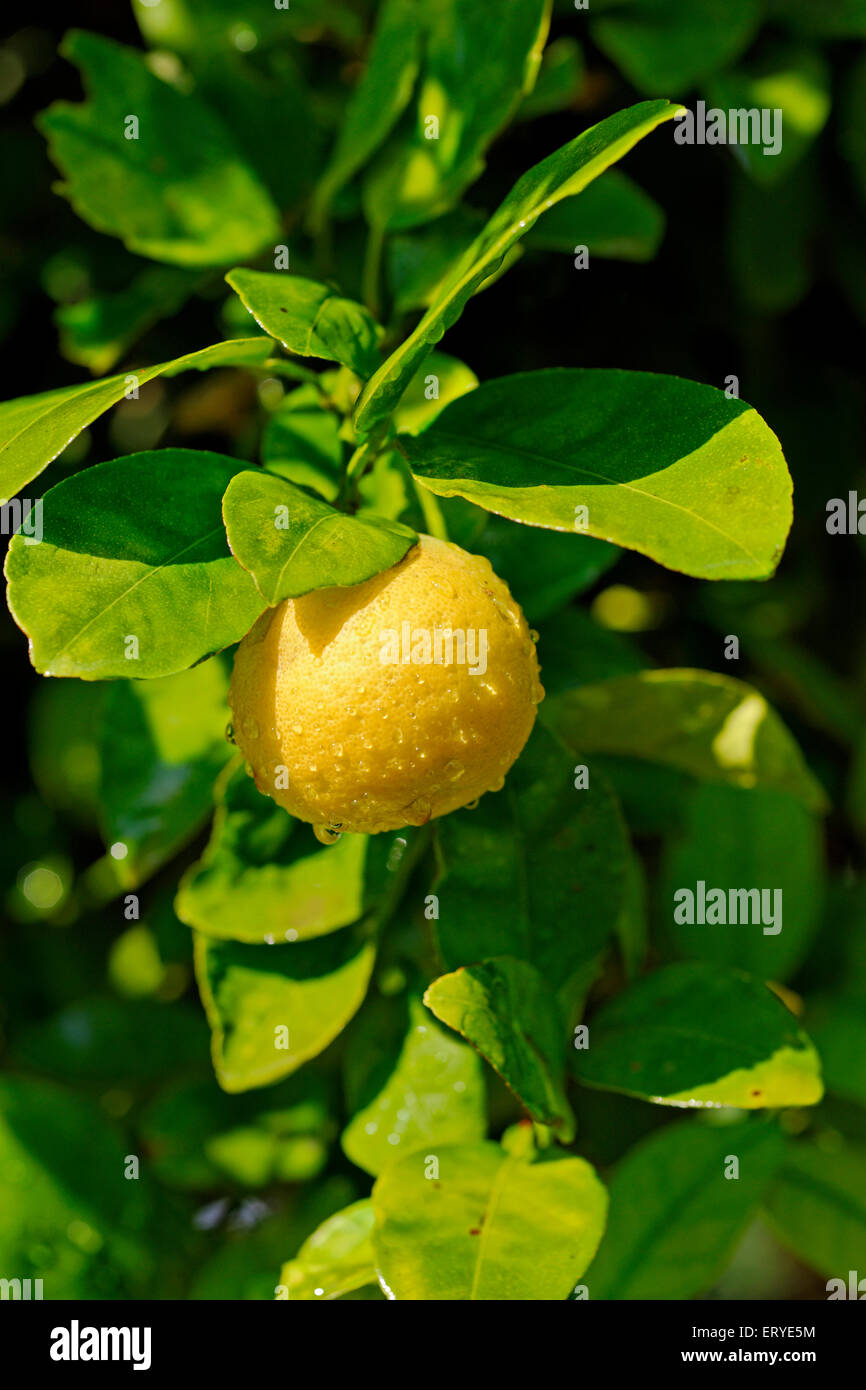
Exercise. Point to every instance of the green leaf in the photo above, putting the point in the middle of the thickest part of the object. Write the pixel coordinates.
(541, 569)
(381, 95)
(420, 174)
(490, 1227)
(252, 994)
(442, 379)
(613, 218)
(505, 1009)
(68, 1217)
(418, 262)
(124, 1041)
(337, 1257)
(696, 1034)
(434, 1095)
(695, 721)
(770, 235)
(162, 745)
(309, 318)
(837, 1027)
(666, 46)
(292, 543)
(677, 1210)
(265, 879)
(817, 1206)
(575, 650)
(302, 443)
(174, 187)
(559, 81)
(705, 491)
(132, 549)
(565, 172)
(732, 839)
(97, 331)
(795, 81)
(35, 429)
(196, 1135)
(531, 857)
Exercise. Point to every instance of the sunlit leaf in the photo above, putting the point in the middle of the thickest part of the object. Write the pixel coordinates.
(310, 318)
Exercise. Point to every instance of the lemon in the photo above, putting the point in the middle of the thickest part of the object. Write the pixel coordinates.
(390, 702)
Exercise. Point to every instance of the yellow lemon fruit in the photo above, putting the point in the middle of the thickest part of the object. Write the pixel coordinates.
(383, 704)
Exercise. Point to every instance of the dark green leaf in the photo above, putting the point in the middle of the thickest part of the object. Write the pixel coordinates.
(817, 1206)
(302, 443)
(489, 1227)
(560, 78)
(541, 569)
(292, 543)
(665, 46)
(613, 218)
(536, 855)
(677, 1209)
(697, 1034)
(173, 187)
(132, 549)
(708, 725)
(125, 1041)
(309, 318)
(97, 331)
(732, 839)
(795, 81)
(505, 1009)
(674, 469)
(565, 172)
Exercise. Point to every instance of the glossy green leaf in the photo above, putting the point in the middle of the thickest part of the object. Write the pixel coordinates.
(97, 331)
(664, 47)
(425, 169)
(292, 543)
(337, 1258)
(559, 80)
(35, 429)
(272, 1008)
(531, 857)
(817, 1206)
(505, 1008)
(264, 878)
(302, 443)
(795, 81)
(706, 490)
(162, 745)
(695, 721)
(419, 261)
(758, 838)
(613, 218)
(677, 1209)
(173, 186)
(434, 1095)
(489, 1227)
(696, 1034)
(381, 95)
(310, 318)
(133, 575)
(565, 172)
